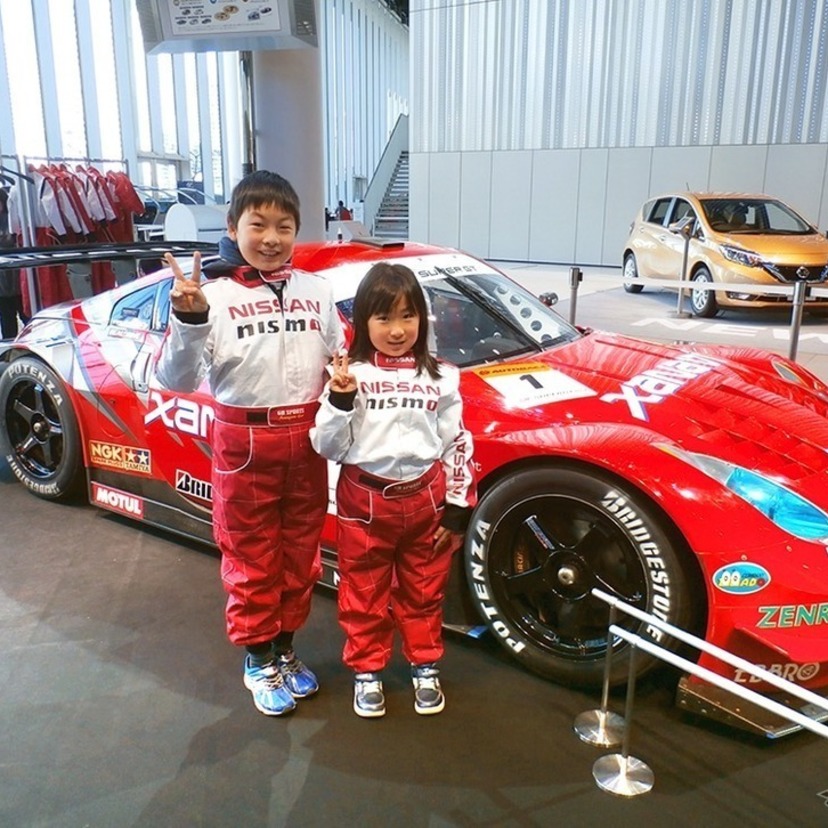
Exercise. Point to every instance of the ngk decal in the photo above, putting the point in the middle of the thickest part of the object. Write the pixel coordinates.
(126, 458)
(117, 501)
(654, 385)
(180, 414)
(788, 671)
(189, 485)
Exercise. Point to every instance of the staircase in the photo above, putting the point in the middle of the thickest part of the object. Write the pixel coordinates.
(391, 220)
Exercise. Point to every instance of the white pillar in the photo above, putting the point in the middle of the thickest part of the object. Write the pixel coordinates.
(287, 100)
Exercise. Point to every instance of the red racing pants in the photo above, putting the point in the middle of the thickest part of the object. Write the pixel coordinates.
(270, 497)
(390, 574)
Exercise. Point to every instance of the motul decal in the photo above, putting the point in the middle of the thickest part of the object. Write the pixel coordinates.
(117, 501)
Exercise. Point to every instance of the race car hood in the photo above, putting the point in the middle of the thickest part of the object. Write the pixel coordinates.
(741, 405)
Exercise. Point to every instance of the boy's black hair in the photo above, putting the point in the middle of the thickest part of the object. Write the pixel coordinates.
(259, 189)
(383, 286)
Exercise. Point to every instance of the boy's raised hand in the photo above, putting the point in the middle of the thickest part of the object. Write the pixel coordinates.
(186, 295)
(342, 380)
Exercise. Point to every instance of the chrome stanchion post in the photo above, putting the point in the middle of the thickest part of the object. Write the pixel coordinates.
(683, 228)
(602, 727)
(575, 277)
(796, 315)
(623, 774)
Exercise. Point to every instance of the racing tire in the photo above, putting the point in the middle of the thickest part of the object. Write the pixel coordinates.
(703, 302)
(541, 539)
(39, 434)
(631, 272)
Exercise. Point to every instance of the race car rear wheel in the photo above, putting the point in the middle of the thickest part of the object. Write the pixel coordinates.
(540, 540)
(39, 434)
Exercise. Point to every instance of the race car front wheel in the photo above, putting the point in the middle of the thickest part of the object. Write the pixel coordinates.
(541, 540)
(39, 431)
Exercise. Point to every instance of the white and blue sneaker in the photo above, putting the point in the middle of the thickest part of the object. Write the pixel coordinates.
(428, 696)
(298, 679)
(265, 682)
(369, 699)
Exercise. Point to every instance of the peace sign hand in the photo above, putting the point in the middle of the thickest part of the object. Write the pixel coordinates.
(186, 294)
(342, 380)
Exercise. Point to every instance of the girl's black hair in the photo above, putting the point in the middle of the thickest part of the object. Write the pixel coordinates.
(383, 286)
(261, 188)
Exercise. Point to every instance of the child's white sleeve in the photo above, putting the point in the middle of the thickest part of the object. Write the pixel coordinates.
(184, 359)
(457, 448)
(332, 436)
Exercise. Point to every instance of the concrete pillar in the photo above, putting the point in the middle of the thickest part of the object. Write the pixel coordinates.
(287, 100)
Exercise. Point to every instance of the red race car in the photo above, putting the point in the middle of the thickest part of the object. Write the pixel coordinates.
(688, 481)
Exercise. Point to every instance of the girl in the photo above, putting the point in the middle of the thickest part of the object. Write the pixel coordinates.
(392, 417)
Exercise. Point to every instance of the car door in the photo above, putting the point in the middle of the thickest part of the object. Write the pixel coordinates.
(646, 242)
(668, 256)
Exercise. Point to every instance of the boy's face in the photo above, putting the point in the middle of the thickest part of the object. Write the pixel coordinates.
(265, 236)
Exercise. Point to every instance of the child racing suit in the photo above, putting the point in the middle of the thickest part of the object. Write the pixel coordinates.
(406, 470)
(263, 346)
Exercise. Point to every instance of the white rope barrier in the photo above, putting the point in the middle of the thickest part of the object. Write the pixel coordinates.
(717, 652)
(625, 775)
(735, 287)
(724, 683)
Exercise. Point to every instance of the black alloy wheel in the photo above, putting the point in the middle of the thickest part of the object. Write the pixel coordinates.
(541, 540)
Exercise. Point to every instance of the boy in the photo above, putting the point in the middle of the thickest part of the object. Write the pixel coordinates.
(266, 372)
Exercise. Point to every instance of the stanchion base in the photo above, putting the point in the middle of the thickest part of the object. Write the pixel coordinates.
(599, 727)
(623, 776)
(680, 314)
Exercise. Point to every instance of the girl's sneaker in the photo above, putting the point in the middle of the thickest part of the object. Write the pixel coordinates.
(369, 700)
(428, 697)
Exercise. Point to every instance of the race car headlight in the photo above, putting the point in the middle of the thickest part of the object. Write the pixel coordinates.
(789, 511)
(742, 257)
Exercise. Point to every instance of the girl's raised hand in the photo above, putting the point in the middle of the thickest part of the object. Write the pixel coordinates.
(342, 380)
(186, 295)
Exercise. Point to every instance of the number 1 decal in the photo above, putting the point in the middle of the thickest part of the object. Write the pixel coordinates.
(528, 384)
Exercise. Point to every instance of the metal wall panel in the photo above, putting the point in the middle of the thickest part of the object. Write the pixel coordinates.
(552, 74)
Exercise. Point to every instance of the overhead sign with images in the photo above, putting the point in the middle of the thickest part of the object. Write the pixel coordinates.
(226, 25)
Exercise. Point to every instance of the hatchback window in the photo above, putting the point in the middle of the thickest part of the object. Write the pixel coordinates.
(659, 210)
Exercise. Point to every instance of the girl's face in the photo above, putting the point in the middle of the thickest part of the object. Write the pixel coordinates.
(394, 333)
(265, 236)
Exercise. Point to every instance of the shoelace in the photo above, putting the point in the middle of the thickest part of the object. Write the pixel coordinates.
(292, 666)
(428, 682)
(371, 686)
(270, 677)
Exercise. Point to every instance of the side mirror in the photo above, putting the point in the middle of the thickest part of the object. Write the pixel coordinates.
(683, 227)
(549, 299)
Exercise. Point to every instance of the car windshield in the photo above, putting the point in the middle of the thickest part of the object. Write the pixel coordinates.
(479, 317)
(753, 215)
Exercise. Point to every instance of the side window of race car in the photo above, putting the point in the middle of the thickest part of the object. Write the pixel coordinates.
(135, 310)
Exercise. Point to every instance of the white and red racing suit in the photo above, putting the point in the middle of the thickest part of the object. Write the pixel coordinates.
(263, 346)
(406, 470)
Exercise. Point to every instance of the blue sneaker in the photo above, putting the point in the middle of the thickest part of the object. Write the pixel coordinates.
(265, 682)
(428, 695)
(298, 679)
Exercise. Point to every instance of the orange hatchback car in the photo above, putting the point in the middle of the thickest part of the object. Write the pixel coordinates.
(732, 238)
